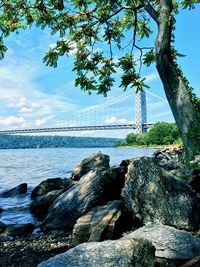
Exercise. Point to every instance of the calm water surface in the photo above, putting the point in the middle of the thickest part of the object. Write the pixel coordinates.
(35, 165)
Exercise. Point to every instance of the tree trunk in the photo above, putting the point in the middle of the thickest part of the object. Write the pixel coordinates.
(175, 88)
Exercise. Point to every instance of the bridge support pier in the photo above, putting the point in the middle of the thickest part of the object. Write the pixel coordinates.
(140, 111)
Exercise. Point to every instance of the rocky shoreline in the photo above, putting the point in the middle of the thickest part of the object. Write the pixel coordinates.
(30, 251)
(145, 212)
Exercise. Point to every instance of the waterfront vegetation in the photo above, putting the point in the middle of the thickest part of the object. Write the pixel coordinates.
(16, 142)
(160, 134)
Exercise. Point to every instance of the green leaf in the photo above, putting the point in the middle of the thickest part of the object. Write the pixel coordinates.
(149, 58)
(3, 50)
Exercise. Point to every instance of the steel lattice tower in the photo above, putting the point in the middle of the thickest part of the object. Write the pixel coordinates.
(140, 111)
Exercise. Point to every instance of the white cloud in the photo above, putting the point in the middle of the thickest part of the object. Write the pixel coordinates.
(35, 105)
(151, 77)
(25, 110)
(17, 102)
(12, 120)
(115, 120)
(39, 122)
(22, 102)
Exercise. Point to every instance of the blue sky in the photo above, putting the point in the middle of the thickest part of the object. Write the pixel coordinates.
(32, 94)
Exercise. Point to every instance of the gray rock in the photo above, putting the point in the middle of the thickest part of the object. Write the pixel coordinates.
(51, 185)
(170, 243)
(152, 195)
(126, 162)
(170, 164)
(172, 160)
(173, 153)
(118, 253)
(95, 161)
(98, 224)
(95, 188)
(40, 205)
(16, 191)
(183, 173)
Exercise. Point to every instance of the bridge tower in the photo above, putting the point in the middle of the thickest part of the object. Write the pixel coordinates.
(140, 111)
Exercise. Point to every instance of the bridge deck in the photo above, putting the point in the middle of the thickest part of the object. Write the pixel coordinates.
(75, 128)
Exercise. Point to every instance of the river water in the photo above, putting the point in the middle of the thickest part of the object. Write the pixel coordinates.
(32, 166)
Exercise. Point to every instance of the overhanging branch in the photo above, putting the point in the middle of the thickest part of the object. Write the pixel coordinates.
(150, 10)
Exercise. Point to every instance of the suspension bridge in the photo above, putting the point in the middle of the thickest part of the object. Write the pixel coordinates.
(100, 117)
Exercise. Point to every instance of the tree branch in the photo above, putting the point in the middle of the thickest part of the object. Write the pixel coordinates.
(150, 10)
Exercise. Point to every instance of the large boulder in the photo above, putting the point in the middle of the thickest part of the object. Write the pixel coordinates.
(40, 205)
(153, 195)
(16, 191)
(51, 185)
(95, 188)
(170, 243)
(98, 224)
(95, 161)
(118, 253)
(172, 160)
(169, 153)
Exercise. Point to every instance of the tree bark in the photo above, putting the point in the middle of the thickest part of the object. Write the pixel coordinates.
(175, 88)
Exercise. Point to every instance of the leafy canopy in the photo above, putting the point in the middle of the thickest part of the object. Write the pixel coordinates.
(118, 26)
(162, 133)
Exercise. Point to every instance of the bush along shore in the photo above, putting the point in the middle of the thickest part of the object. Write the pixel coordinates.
(161, 134)
(144, 213)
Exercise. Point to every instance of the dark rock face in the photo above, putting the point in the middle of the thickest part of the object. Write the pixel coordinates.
(95, 188)
(169, 242)
(19, 230)
(195, 183)
(40, 205)
(193, 263)
(153, 195)
(51, 185)
(45, 193)
(98, 224)
(117, 253)
(95, 161)
(126, 162)
(16, 191)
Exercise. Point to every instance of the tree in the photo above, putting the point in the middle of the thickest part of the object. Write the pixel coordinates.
(131, 139)
(162, 133)
(84, 24)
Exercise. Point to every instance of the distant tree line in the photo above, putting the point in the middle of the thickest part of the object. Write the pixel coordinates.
(16, 142)
(161, 133)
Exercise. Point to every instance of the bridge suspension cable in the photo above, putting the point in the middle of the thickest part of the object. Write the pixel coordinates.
(98, 117)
